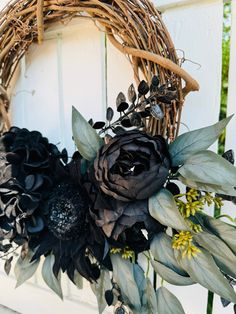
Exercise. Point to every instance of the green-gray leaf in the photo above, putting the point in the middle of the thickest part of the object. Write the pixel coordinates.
(78, 280)
(192, 142)
(224, 257)
(170, 275)
(162, 251)
(227, 190)
(163, 208)
(140, 279)
(223, 230)
(24, 269)
(100, 287)
(123, 273)
(49, 277)
(167, 303)
(149, 300)
(209, 168)
(204, 270)
(86, 139)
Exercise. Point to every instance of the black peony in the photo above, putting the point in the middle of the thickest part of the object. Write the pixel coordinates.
(122, 222)
(132, 166)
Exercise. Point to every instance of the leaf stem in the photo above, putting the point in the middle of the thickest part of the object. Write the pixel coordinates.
(148, 267)
(226, 216)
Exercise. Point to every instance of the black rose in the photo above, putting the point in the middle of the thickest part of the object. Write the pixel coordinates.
(132, 166)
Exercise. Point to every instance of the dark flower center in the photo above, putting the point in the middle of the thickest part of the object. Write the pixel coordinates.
(66, 212)
(131, 163)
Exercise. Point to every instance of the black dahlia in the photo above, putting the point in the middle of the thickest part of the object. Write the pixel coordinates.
(29, 167)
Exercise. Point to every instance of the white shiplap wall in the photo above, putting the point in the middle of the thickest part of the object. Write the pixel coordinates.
(231, 107)
(70, 68)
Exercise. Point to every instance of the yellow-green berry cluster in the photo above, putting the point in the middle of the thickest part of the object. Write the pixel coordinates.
(126, 253)
(183, 241)
(193, 205)
(209, 199)
(195, 227)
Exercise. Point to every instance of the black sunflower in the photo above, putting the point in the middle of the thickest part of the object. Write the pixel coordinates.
(70, 235)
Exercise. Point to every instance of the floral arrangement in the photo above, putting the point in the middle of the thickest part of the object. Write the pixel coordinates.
(117, 203)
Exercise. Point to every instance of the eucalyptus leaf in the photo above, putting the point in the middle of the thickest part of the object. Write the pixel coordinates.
(224, 302)
(228, 190)
(110, 114)
(221, 229)
(163, 208)
(100, 287)
(86, 139)
(149, 301)
(78, 280)
(49, 277)
(123, 273)
(222, 254)
(7, 265)
(167, 303)
(204, 270)
(162, 251)
(24, 268)
(195, 141)
(109, 296)
(209, 168)
(140, 279)
(132, 96)
(170, 275)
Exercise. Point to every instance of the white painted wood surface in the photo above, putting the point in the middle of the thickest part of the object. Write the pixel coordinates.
(73, 67)
(231, 106)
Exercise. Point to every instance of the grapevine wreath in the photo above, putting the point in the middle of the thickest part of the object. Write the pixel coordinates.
(117, 200)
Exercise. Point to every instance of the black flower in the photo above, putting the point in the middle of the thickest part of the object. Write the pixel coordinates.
(70, 235)
(132, 166)
(29, 167)
(33, 150)
(123, 223)
(43, 204)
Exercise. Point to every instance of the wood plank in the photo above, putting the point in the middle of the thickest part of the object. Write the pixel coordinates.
(229, 208)
(197, 30)
(231, 106)
(35, 97)
(83, 75)
(164, 5)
